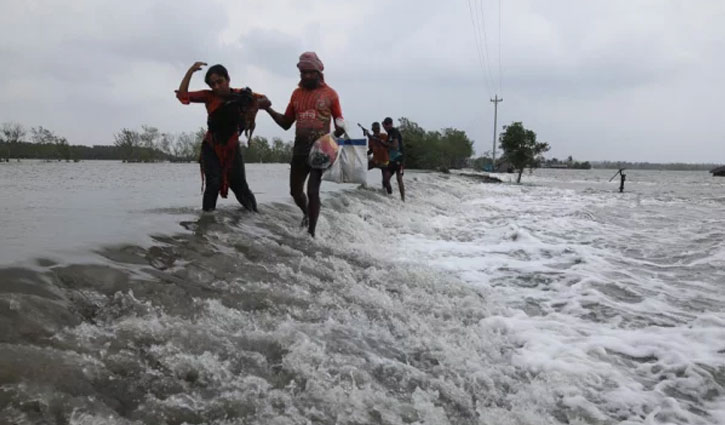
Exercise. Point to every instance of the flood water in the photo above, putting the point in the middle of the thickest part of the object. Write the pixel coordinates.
(557, 301)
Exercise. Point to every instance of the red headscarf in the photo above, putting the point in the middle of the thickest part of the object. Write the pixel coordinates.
(310, 62)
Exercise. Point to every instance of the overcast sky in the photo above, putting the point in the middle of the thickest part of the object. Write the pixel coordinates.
(635, 80)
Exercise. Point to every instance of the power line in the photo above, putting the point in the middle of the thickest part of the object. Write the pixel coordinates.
(478, 20)
(500, 74)
(479, 50)
(485, 42)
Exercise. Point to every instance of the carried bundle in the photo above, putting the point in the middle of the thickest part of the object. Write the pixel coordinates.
(323, 152)
(235, 116)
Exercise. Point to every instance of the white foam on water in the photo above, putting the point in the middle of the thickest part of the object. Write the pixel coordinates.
(621, 336)
(468, 304)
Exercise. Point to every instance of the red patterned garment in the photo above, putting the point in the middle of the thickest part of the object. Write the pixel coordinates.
(224, 149)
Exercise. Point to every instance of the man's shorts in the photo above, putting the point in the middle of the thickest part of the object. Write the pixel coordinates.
(394, 166)
(300, 162)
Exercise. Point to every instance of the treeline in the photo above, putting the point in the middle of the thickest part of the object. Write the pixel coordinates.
(146, 144)
(13, 143)
(569, 163)
(151, 145)
(434, 150)
(129, 145)
(49, 151)
(674, 166)
(259, 150)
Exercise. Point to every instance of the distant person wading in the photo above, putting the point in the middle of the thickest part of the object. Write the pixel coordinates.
(396, 154)
(380, 149)
(230, 112)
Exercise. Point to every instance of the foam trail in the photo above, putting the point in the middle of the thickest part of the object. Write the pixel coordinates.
(468, 304)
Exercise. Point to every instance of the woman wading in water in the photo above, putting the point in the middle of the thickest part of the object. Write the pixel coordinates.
(230, 112)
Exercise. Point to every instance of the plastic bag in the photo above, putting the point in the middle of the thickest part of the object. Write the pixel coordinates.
(352, 162)
(334, 173)
(323, 152)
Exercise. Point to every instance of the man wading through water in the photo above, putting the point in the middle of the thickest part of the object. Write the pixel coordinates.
(313, 105)
(230, 112)
(379, 147)
(397, 156)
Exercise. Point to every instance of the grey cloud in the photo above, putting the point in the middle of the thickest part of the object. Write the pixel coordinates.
(569, 68)
(272, 50)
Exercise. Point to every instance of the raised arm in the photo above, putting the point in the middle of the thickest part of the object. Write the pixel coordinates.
(184, 86)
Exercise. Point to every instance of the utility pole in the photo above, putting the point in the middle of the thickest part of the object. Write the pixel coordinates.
(495, 101)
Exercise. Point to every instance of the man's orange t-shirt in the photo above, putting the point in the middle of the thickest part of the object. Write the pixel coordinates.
(313, 110)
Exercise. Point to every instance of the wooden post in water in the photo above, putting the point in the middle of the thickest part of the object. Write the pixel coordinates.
(495, 101)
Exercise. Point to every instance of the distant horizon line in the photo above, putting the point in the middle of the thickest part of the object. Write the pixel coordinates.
(592, 162)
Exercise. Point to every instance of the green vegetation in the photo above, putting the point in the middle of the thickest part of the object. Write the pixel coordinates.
(259, 150)
(446, 149)
(434, 150)
(44, 144)
(483, 162)
(150, 145)
(674, 166)
(569, 163)
(520, 148)
(129, 145)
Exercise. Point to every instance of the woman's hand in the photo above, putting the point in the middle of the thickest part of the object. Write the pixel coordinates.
(197, 66)
(263, 103)
(184, 86)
